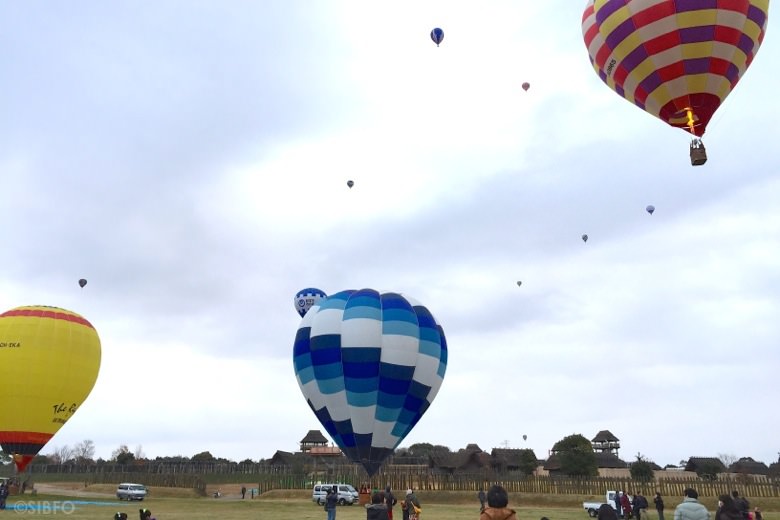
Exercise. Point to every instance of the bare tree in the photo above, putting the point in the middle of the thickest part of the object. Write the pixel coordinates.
(139, 452)
(84, 451)
(727, 459)
(60, 455)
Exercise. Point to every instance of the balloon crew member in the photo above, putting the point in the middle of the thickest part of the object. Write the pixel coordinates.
(390, 501)
(3, 495)
(331, 501)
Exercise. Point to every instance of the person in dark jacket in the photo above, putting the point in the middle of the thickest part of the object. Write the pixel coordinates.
(741, 503)
(606, 512)
(639, 505)
(3, 495)
(482, 499)
(659, 505)
(390, 501)
(377, 509)
(331, 501)
(727, 509)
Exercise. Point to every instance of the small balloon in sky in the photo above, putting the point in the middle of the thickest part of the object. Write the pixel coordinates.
(519, 283)
(437, 35)
(526, 86)
(584, 238)
(350, 183)
(82, 282)
(650, 209)
(305, 299)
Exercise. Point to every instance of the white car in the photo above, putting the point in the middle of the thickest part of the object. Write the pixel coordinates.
(348, 495)
(130, 491)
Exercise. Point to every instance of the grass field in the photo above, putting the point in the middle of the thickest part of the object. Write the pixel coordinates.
(295, 505)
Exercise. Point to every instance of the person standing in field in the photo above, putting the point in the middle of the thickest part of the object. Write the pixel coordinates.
(606, 512)
(625, 503)
(377, 510)
(498, 502)
(659, 505)
(690, 508)
(411, 505)
(3, 495)
(727, 509)
(331, 501)
(640, 505)
(482, 499)
(390, 501)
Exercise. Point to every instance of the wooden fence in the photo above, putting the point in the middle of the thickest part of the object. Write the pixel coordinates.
(399, 478)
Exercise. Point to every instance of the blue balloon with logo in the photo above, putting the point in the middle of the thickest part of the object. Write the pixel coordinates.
(305, 299)
(369, 365)
(437, 35)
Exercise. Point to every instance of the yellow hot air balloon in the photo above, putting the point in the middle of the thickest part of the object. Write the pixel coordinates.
(49, 362)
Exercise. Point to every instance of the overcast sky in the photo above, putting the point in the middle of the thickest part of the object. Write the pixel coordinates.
(190, 159)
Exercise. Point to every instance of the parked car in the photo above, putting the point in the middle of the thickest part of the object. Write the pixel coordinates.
(130, 491)
(348, 495)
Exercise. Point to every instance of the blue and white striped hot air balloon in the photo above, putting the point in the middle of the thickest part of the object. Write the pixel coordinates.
(306, 298)
(369, 365)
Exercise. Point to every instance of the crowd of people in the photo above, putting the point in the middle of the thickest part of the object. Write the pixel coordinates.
(494, 505)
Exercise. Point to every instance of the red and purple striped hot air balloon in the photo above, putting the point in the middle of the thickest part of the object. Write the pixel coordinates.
(675, 59)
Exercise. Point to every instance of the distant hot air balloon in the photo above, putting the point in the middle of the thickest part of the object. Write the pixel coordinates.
(525, 437)
(306, 298)
(350, 183)
(526, 86)
(519, 283)
(584, 238)
(82, 282)
(650, 209)
(48, 365)
(369, 365)
(437, 35)
(678, 61)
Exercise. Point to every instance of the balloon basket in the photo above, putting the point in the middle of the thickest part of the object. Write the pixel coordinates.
(698, 153)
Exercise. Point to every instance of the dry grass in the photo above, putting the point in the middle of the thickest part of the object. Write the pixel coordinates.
(179, 504)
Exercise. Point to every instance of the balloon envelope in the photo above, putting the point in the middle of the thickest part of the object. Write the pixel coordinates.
(525, 437)
(669, 58)
(350, 183)
(650, 209)
(584, 238)
(526, 86)
(519, 283)
(306, 298)
(48, 365)
(369, 365)
(437, 35)
(82, 283)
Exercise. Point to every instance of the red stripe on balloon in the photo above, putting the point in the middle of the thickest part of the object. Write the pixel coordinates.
(41, 313)
(17, 437)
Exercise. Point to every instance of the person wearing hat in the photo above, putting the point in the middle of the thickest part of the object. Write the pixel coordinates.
(409, 504)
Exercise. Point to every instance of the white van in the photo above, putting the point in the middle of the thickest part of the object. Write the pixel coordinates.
(347, 494)
(130, 491)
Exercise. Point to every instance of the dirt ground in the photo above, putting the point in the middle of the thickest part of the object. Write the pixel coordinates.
(77, 489)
